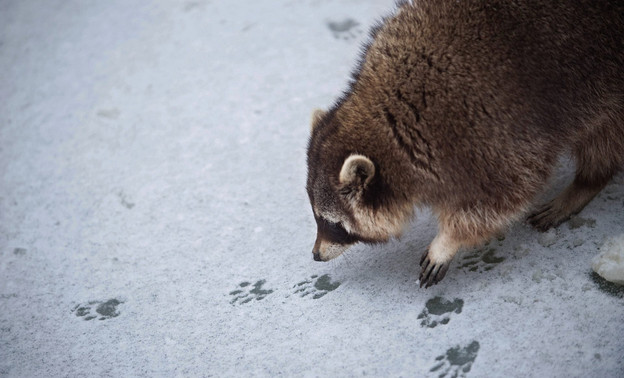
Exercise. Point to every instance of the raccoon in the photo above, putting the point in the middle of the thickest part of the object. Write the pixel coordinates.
(465, 107)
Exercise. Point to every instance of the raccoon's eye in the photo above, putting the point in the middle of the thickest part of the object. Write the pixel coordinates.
(336, 233)
(336, 227)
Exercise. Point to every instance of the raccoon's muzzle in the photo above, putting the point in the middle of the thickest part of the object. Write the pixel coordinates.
(331, 240)
(316, 255)
(316, 251)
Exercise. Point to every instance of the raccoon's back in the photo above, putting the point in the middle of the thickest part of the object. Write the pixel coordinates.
(543, 63)
(480, 93)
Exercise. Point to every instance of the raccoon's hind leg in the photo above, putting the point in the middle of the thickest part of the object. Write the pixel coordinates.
(570, 202)
(598, 157)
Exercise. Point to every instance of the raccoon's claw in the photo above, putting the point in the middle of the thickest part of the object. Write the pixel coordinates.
(546, 217)
(431, 273)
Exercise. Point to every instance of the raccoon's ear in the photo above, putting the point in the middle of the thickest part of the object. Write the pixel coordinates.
(317, 114)
(357, 171)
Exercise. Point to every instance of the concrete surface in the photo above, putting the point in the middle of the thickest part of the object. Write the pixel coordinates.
(154, 221)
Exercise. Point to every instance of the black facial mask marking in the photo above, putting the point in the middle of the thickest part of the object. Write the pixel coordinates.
(334, 232)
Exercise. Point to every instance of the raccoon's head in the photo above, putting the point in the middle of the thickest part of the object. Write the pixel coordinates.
(350, 199)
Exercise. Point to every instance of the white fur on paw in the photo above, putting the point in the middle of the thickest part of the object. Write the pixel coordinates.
(442, 249)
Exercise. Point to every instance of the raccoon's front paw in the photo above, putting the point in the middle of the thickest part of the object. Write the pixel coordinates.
(431, 272)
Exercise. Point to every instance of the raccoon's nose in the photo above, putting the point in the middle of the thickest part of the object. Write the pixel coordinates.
(317, 256)
(316, 250)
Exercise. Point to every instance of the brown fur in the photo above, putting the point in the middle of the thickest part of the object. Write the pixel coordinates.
(465, 106)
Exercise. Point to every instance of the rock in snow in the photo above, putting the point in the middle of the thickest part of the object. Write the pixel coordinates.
(609, 264)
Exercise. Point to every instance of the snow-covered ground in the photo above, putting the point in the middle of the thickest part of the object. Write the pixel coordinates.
(154, 221)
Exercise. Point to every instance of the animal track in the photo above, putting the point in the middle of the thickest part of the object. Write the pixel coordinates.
(245, 295)
(578, 221)
(479, 261)
(457, 361)
(317, 286)
(112, 113)
(123, 199)
(346, 29)
(437, 311)
(103, 310)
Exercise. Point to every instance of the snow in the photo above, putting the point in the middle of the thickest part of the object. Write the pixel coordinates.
(154, 221)
(548, 238)
(609, 264)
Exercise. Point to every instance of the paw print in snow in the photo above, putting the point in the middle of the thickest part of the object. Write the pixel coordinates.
(317, 286)
(457, 361)
(479, 261)
(437, 311)
(102, 310)
(245, 295)
(346, 29)
(125, 202)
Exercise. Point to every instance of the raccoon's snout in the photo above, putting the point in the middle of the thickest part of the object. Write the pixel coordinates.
(316, 251)
(325, 251)
(317, 255)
